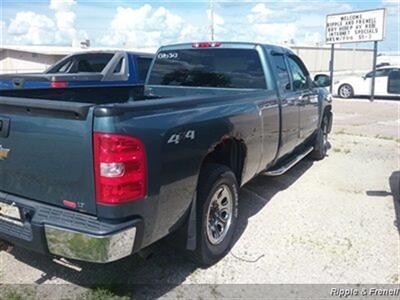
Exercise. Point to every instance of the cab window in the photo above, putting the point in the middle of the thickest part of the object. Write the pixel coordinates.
(299, 74)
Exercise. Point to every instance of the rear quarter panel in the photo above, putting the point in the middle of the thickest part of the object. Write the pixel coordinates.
(174, 163)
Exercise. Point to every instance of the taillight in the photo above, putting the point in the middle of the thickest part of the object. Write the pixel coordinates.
(206, 44)
(120, 168)
(59, 84)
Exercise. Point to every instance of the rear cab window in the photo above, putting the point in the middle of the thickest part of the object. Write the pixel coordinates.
(216, 68)
(83, 63)
(143, 64)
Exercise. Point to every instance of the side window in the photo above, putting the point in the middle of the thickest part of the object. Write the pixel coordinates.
(143, 65)
(299, 75)
(281, 72)
(65, 67)
(92, 63)
(118, 68)
(379, 73)
(394, 81)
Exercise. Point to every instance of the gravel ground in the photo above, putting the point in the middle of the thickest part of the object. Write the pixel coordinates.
(331, 221)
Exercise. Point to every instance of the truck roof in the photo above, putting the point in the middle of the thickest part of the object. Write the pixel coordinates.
(238, 45)
(389, 67)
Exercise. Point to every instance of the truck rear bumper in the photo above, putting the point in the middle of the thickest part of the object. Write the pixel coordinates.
(70, 234)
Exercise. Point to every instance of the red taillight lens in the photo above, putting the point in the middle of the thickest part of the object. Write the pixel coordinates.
(59, 84)
(206, 44)
(120, 168)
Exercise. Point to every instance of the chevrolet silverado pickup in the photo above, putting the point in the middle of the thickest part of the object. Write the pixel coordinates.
(99, 181)
(90, 75)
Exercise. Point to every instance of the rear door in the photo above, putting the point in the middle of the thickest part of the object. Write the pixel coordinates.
(46, 151)
(306, 97)
(290, 108)
(381, 81)
(393, 87)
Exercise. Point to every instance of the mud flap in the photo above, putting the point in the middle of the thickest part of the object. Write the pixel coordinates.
(330, 121)
(191, 228)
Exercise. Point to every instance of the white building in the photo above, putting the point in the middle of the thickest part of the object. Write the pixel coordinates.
(28, 59)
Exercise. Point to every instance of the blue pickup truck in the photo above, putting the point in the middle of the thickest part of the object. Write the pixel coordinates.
(91, 75)
(99, 181)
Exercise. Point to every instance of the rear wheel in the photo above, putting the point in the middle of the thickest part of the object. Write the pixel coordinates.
(346, 91)
(217, 210)
(321, 140)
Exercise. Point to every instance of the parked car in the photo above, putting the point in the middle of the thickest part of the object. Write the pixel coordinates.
(361, 85)
(100, 181)
(90, 75)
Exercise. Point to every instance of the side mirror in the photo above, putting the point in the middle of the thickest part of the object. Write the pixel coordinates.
(322, 80)
(394, 82)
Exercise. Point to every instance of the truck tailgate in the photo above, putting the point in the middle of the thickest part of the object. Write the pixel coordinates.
(46, 151)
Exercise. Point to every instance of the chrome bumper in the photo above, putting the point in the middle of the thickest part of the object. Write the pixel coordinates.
(90, 248)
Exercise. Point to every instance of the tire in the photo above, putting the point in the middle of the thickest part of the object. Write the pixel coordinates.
(321, 140)
(217, 194)
(346, 91)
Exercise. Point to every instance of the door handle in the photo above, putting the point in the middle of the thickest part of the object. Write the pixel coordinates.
(302, 99)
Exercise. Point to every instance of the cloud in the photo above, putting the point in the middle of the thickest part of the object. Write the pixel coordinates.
(149, 27)
(2, 31)
(219, 27)
(274, 32)
(261, 26)
(28, 27)
(62, 5)
(314, 38)
(259, 14)
(321, 7)
(65, 19)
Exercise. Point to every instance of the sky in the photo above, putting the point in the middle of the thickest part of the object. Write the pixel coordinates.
(145, 24)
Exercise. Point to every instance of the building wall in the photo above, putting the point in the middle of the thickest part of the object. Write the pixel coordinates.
(12, 61)
(345, 60)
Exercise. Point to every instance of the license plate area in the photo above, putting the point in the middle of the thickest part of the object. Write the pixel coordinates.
(10, 213)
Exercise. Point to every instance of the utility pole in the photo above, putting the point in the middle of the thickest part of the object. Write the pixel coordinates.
(212, 19)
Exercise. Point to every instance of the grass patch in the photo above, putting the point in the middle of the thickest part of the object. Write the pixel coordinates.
(338, 150)
(341, 131)
(103, 293)
(12, 294)
(387, 138)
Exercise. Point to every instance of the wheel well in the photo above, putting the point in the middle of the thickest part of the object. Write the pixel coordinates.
(327, 109)
(231, 153)
(328, 112)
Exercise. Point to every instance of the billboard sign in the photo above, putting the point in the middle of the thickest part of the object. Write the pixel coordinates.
(355, 27)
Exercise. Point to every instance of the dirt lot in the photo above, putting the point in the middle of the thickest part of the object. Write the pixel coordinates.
(332, 221)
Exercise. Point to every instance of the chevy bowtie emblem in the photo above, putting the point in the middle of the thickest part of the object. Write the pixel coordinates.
(3, 152)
